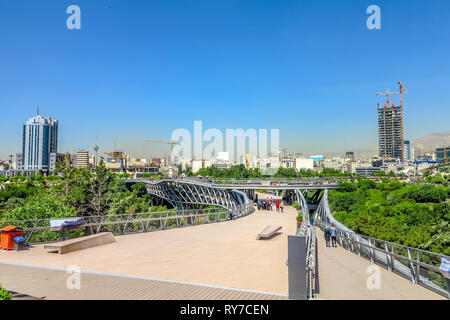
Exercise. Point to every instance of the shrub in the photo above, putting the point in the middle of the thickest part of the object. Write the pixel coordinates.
(4, 294)
(346, 187)
(427, 193)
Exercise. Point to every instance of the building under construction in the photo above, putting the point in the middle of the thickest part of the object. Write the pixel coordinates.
(390, 127)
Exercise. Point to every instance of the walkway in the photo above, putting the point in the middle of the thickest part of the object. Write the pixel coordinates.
(342, 276)
(213, 261)
(50, 284)
(224, 254)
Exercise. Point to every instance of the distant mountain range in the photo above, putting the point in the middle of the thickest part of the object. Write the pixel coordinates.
(427, 143)
(432, 141)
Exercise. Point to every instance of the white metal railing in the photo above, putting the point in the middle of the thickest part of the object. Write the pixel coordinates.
(419, 266)
(38, 230)
(309, 232)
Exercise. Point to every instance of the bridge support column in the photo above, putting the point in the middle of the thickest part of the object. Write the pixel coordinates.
(298, 289)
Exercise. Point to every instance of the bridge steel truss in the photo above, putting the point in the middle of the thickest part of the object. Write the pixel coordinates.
(180, 193)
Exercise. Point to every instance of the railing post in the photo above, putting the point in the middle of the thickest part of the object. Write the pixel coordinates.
(418, 268)
(392, 258)
(388, 257)
(100, 225)
(413, 275)
(350, 242)
(358, 238)
(372, 255)
(341, 239)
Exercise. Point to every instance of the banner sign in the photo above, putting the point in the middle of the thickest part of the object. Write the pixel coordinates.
(66, 223)
(445, 267)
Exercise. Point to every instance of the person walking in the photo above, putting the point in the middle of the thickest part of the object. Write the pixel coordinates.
(282, 205)
(277, 204)
(311, 220)
(327, 235)
(333, 231)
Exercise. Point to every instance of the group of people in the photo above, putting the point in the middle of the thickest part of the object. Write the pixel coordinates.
(331, 233)
(269, 204)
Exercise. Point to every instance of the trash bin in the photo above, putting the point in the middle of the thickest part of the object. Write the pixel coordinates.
(8, 234)
(19, 243)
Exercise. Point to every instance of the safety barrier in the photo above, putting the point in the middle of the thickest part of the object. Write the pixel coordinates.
(38, 230)
(419, 266)
(308, 252)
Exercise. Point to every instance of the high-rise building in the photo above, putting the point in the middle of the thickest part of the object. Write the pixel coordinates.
(55, 160)
(40, 139)
(82, 159)
(350, 155)
(390, 131)
(408, 151)
(442, 153)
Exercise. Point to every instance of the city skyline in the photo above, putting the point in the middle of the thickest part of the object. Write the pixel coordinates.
(136, 73)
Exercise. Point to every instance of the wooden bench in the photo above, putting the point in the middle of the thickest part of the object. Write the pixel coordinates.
(268, 232)
(81, 243)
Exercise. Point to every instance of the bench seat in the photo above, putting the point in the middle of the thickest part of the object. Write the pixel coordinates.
(90, 241)
(268, 232)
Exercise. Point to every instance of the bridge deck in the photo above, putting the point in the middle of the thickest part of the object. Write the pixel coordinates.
(224, 254)
(50, 284)
(199, 262)
(343, 276)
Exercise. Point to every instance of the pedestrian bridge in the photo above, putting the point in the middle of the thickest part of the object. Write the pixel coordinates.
(368, 268)
(220, 260)
(228, 193)
(249, 184)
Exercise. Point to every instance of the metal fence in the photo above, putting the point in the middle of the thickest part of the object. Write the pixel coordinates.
(38, 230)
(309, 233)
(419, 266)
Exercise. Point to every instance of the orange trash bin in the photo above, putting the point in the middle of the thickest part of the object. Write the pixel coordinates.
(8, 234)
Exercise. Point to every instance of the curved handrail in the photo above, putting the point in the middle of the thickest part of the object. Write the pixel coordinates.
(369, 247)
(308, 231)
(142, 220)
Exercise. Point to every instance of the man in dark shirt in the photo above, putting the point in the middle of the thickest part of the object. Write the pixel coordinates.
(333, 231)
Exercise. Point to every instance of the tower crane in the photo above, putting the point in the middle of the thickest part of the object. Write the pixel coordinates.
(388, 93)
(171, 143)
(118, 155)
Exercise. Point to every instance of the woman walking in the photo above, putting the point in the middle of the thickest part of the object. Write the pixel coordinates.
(327, 234)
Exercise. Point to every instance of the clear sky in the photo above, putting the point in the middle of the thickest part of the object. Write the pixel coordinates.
(138, 70)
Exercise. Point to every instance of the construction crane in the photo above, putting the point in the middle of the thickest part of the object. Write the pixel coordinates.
(118, 155)
(401, 92)
(172, 143)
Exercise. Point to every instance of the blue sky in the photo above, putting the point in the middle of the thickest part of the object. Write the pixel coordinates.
(138, 70)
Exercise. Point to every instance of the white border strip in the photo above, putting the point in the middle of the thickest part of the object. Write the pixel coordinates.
(143, 278)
